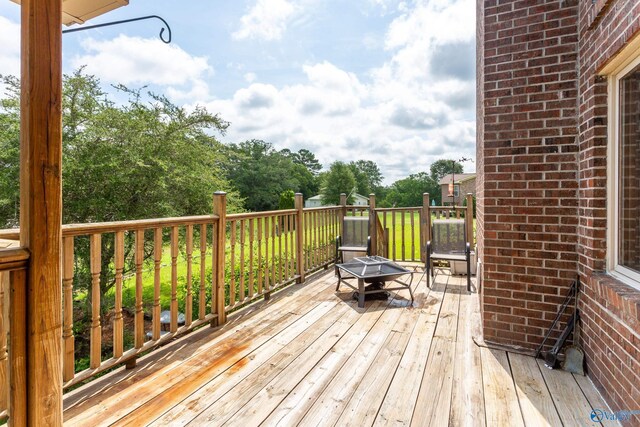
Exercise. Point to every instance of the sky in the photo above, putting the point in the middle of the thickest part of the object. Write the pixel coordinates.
(382, 80)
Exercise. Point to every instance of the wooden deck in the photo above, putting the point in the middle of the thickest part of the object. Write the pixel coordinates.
(309, 356)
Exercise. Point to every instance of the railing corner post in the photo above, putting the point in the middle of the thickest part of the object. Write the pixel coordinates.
(425, 225)
(299, 205)
(343, 203)
(373, 225)
(220, 237)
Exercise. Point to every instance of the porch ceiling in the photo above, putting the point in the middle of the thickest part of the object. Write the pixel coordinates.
(79, 11)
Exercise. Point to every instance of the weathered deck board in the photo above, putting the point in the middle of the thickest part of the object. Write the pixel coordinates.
(535, 400)
(309, 356)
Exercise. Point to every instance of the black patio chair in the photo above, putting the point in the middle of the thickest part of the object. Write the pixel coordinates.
(448, 242)
(355, 237)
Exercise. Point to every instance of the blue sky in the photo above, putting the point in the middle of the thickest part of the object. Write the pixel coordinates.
(382, 80)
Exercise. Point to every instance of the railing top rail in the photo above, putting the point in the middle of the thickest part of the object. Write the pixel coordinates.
(409, 208)
(323, 208)
(10, 234)
(132, 225)
(13, 258)
(249, 215)
(450, 208)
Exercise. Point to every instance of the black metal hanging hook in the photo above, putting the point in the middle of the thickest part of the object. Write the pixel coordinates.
(124, 21)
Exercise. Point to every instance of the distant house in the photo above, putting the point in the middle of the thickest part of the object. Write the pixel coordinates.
(316, 201)
(464, 184)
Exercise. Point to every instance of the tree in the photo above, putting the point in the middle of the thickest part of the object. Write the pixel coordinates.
(443, 167)
(143, 158)
(287, 200)
(338, 180)
(367, 175)
(261, 174)
(408, 191)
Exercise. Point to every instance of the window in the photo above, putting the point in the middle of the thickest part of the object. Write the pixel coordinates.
(456, 190)
(624, 174)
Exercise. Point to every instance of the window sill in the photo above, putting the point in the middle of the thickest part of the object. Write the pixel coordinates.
(617, 296)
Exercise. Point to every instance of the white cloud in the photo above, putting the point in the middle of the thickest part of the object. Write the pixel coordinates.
(403, 114)
(135, 60)
(250, 77)
(9, 47)
(266, 20)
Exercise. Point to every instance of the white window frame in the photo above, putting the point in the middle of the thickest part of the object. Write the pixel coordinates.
(618, 70)
(456, 190)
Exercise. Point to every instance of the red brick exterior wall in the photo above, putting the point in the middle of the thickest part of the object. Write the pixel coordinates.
(542, 179)
(527, 156)
(611, 310)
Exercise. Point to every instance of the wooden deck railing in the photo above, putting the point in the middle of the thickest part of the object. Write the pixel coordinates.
(138, 284)
(13, 303)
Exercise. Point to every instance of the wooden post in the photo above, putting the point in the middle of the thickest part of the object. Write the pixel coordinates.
(425, 226)
(300, 236)
(343, 211)
(373, 224)
(469, 218)
(41, 207)
(219, 209)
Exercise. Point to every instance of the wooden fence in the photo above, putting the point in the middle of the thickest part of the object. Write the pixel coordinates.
(215, 263)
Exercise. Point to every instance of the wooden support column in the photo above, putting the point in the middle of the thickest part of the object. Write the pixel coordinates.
(41, 205)
(220, 240)
(373, 224)
(425, 226)
(343, 211)
(299, 205)
(469, 218)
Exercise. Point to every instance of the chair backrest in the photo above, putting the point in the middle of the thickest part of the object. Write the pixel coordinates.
(448, 236)
(355, 231)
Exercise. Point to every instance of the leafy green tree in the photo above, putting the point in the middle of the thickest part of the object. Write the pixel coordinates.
(443, 167)
(143, 158)
(367, 174)
(408, 191)
(305, 158)
(338, 180)
(287, 200)
(10, 153)
(260, 174)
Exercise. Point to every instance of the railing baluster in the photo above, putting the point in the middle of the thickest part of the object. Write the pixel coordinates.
(173, 307)
(315, 238)
(242, 262)
(413, 235)
(96, 329)
(393, 233)
(157, 259)
(202, 295)
(280, 231)
(68, 370)
(251, 270)
(18, 346)
(118, 326)
(260, 263)
(403, 235)
(4, 354)
(273, 252)
(305, 239)
(285, 225)
(189, 298)
(139, 313)
(232, 286)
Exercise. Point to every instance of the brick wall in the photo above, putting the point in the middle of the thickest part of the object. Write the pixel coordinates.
(527, 157)
(542, 179)
(611, 310)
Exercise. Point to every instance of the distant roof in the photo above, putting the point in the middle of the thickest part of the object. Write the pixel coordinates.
(460, 177)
